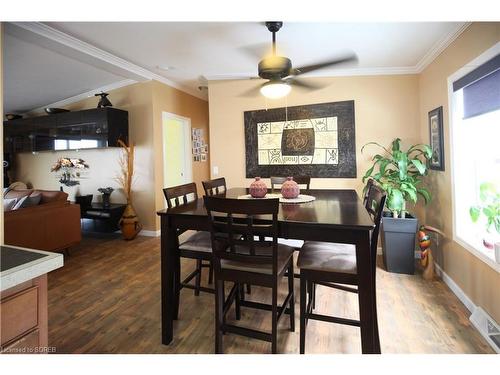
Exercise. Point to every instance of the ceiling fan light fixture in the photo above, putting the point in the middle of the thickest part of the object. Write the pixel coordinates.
(275, 89)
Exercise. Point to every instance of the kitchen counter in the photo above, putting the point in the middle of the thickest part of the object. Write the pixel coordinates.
(18, 265)
(23, 299)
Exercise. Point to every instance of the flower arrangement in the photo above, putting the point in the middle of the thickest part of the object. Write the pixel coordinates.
(70, 169)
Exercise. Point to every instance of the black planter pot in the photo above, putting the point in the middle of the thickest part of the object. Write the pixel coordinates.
(398, 243)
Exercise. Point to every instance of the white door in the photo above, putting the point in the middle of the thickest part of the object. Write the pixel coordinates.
(177, 166)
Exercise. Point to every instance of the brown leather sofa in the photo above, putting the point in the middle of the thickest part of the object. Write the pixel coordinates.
(52, 225)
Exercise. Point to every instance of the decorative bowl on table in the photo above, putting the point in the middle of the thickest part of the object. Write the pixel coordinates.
(290, 189)
(258, 188)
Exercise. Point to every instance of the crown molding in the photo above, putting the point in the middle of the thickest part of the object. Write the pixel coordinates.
(84, 95)
(92, 54)
(440, 46)
(336, 73)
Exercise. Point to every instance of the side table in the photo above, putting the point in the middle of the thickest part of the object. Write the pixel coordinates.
(105, 219)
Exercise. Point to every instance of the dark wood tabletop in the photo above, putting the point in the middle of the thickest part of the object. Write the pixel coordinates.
(339, 208)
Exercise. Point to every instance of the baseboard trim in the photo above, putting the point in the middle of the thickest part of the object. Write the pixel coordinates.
(455, 289)
(150, 233)
(475, 311)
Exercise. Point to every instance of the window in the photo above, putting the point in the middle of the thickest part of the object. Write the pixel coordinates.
(65, 144)
(475, 134)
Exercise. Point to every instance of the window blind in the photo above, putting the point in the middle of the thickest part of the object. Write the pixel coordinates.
(481, 88)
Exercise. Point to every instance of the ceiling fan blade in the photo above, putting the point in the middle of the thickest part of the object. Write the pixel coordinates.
(324, 64)
(252, 92)
(231, 76)
(301, 83)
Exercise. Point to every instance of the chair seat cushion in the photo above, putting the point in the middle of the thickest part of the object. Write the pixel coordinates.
(199, 241)
(327, 256)
(284, 254)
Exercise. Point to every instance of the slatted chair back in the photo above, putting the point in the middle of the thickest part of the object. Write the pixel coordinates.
(180, 195)
(366, 191)
(248, 219)
(214, 187)
(300, 180)
(375, 206)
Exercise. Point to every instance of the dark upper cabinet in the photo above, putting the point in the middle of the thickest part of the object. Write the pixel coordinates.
(90, 128)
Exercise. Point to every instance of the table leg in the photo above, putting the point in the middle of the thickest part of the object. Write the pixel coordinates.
(366, 296)
(177, 279)
(167, 281)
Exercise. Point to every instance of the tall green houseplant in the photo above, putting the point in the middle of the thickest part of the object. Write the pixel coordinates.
(400, 174)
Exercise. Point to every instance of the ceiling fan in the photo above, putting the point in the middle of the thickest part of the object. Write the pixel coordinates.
(281, 75)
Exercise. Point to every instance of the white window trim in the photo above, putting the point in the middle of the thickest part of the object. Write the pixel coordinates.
(481, 59)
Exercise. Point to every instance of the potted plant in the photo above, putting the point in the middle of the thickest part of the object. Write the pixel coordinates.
(489, 197)
(399, 173)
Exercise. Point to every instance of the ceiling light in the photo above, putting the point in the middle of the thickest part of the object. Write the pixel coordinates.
(275, 89)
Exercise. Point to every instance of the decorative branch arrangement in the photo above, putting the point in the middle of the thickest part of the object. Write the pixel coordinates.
(129, 222)
(126, 169)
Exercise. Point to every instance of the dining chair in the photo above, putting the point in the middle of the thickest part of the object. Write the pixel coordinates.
(214, 187)
(366, 191)
(334, 265)
(217, 187)
(251, 261)
(197, 246)
(300, 180)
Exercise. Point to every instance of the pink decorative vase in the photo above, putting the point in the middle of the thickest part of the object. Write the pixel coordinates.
(290, 189)
(258, 188)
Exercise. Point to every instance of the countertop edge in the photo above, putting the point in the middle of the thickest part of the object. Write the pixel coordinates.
(30, 270)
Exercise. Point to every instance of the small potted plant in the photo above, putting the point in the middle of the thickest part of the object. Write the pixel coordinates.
(489, 207)
(399, 173)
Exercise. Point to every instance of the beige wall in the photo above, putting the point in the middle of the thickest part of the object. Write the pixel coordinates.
(478, 280)
(145, 103)
(169, 99)
(385, 107)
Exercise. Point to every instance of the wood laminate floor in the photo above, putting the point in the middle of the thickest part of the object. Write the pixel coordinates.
(106, 299)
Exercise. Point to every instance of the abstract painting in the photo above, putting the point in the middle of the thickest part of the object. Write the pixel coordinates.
(315, 140)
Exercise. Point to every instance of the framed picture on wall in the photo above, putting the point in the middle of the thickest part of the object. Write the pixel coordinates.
(436, 138)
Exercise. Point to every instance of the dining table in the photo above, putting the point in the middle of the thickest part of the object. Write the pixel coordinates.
(335, 215)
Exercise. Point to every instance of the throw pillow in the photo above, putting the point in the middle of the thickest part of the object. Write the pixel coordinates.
(8, 204)
(28, 201)
(19, 203)
(6, 190)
